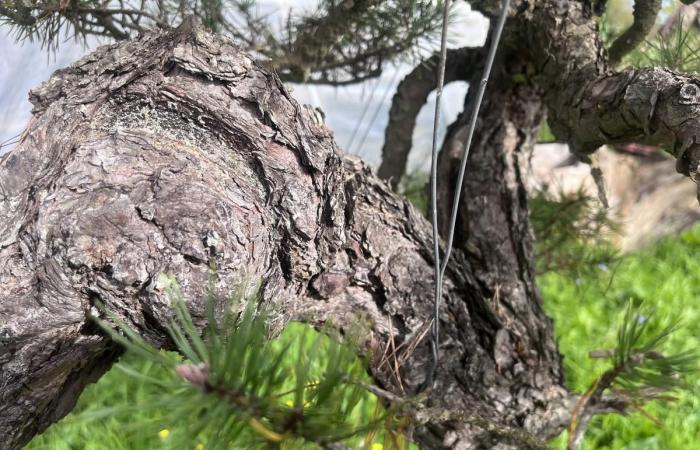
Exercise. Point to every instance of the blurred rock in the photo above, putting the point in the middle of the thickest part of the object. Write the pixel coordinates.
(647, 196)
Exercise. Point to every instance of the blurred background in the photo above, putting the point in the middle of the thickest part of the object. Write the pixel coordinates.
(357, 113)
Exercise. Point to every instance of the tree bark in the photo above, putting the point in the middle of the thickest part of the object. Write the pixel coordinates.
(493, 227)
(175, 151)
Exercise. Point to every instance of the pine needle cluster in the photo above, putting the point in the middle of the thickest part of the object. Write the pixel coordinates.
(678, 49)
(674, 43)
(572, 232)
(234, 387)
(640, 372)
(339, 42)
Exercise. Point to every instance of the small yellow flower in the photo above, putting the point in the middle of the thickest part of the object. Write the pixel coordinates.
(290, 403)
(377, 446)
(200, 446)
(164, 433)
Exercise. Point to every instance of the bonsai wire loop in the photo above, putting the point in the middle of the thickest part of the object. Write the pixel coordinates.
(441, 267)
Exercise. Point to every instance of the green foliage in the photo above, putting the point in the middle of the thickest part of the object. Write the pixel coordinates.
(679, 50)
(615, 20)
(674, 45)
(545, 134)
(586, 311)
(414, 187)
(640, 365)
(231, 388)
(336, 43)
(102, 420)
(572, 232)
(639, 372)
(351, 40)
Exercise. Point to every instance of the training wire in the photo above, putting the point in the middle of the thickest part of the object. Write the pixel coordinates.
(441, 268)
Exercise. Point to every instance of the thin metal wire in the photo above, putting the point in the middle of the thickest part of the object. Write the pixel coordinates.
(385, 97)
(362, 117)
(433, 193)
(472, 126)
(441, 268)
(8, 143)
(13, 138)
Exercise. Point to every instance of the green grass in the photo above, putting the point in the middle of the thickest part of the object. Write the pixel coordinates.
(87, 427)
(586, 313)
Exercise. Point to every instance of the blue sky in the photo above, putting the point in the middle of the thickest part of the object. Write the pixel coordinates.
(26, 65)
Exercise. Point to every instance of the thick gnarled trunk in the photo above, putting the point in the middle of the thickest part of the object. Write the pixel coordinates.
(494, 234)
(176, 150)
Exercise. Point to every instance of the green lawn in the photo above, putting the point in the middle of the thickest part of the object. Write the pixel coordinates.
(586, 313)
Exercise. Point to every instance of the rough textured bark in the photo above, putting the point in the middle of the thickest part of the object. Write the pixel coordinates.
(175, 150)
(169, 152)
(591, 105)
(492, 226)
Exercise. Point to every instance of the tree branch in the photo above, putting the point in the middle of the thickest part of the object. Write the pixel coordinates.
(340, 43)
(21, 16)
(590, 105)
(347, 41)
(645, 12)
(649, 106)
(411, 94)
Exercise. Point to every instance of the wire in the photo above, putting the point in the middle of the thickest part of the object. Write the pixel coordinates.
(392, 84)
(472, 126)
(441, 268)
(11, 140)
(433, 197)
(362, 117)
(9, 143)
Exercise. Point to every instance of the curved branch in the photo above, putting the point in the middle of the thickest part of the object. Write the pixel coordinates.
(411, 94)
(645, 12)
(590, 105)
(650, 106)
